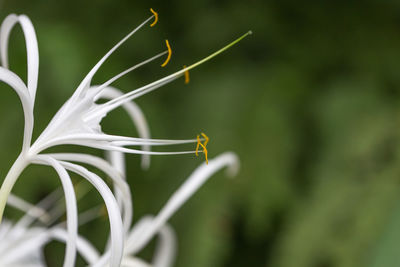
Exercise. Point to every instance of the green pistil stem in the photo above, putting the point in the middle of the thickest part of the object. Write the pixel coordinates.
(8, 183)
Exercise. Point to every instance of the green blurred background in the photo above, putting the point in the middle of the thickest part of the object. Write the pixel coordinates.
(309, 102)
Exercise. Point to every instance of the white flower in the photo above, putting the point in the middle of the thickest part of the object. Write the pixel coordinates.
(78, 123)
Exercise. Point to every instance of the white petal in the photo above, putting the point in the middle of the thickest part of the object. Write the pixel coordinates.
(31, 48)
(105, 167)
(70, 203)
(32, 54)
(18, 85)
(189, 187)
(5, 30)
(166, 247)
(116, 226)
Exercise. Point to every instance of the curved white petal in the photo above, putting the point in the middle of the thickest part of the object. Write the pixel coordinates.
(105, 167)
(116, 225)
(70, 203)
(32, 50)
(166, 247)
(187, 189)
(18, 85)
(166, 243)
(5, 30)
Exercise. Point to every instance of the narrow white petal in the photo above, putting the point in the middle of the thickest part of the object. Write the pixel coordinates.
(18, 85)
(31, 48)
(117, 160)
(116, 225)
(5, 30)
(189, 187)
(166, 247)
(116, 177)
(70, 203)
(32, 54)
(136, 231)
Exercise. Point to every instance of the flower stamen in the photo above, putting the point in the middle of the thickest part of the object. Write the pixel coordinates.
(155, 17)
(187, 78)
(205, 138)
(203, 146)
(169, 54)
(198, 145)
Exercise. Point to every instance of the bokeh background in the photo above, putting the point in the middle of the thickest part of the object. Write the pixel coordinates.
(309, 102)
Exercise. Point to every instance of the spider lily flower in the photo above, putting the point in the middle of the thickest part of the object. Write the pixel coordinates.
(78, 123)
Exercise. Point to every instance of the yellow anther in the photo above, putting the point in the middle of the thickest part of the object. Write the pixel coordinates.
(155, 17)
(187, 78)
(169, 54)
(198, 145)
(206, 139)
(205, 152)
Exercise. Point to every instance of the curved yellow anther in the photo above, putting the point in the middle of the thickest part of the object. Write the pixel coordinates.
(203, 146)
(206, 139)
(205, 152)
(198, 144)
(155, 17)
(187, 78)
(169, 54)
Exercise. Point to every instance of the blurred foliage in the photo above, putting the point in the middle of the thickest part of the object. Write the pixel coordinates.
(310, 102)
